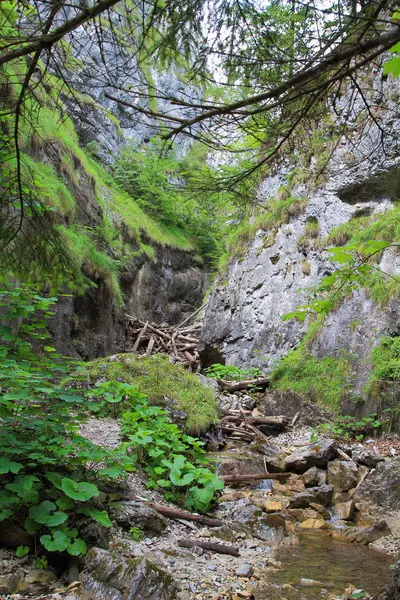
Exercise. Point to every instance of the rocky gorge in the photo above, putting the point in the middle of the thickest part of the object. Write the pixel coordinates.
(179, 420)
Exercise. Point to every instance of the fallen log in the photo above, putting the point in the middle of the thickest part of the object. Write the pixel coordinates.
(140, 336)
(253, 477)
(213, 547)
(235, 386)
(176, 513)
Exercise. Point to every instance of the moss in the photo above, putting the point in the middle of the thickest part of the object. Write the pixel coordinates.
(92, 262)
(325, 381)
(161, 381)
(53, 192)
(275, 214)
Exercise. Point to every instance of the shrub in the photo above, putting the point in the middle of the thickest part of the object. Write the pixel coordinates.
(48, 471)
(231, 373)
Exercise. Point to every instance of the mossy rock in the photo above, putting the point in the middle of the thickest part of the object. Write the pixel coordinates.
(164, 384)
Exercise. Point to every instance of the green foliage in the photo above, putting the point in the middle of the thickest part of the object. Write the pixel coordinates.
(356, 269)
(162, 382)
(392, 66)
(174, 461)
(136, 534)
(166, 188)
(386, 360)
(322, 380)
(276, 213)
(48, 472)
(347, 427)
(231, 373)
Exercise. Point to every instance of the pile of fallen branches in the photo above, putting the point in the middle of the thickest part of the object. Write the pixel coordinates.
(246, 426)
(179, 342)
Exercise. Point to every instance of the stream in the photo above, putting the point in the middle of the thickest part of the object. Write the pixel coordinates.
(332, 563)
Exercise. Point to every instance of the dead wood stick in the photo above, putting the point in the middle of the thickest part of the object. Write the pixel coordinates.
(363, 478)
(257, 432)
(234, 386)
(176, 513)
(191, 316)
(190, 358)
(212, 546)
(139, 337)
(235, 430)
(189, 340)
(253, 477)
(150, 345)
(344, 455)
(175, 351)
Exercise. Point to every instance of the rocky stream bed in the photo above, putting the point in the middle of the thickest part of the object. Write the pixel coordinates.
(330, 530)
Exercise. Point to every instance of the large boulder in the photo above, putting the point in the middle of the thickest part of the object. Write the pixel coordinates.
(344, 510)
(317, 495)
(382, 486)
(108, 576)
(314, 477)
(366, 456)
(343, 475)
(312, 455)
(136, 514)
(274, 457)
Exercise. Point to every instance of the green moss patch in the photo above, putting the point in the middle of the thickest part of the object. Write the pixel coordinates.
(163, 383)
(324, 381)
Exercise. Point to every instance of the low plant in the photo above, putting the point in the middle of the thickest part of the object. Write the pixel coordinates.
(347, 427)
(136, 534)
(174, 461)
(49, 474)
(322, 380)
(231, 373)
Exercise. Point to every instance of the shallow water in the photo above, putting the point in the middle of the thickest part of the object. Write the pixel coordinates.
(333, 563)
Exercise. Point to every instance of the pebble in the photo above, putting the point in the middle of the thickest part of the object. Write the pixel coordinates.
(148, 542)
(244, 570)
(211, 567)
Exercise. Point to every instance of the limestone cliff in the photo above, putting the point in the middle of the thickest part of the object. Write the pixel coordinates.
(270, 274)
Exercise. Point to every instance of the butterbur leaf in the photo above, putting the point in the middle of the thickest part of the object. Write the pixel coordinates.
(79, 491)
(56, 519)
(64, 503)
(76, 547)
(112, 472)
(55, 543)
(22, 551)
(9, 466)
(31, 526)
(101, 516)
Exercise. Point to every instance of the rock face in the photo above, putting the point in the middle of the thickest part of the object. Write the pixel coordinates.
(343, 475)
(109, 577)
(381, 487)
(168, 289)
(136, 514)
(243, 320)
(313, 455)
(319, 495)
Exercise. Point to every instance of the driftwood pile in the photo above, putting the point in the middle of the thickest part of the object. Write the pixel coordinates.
(245, 425)
(179, 342)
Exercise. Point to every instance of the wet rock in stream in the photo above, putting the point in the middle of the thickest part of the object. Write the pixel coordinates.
(313, 455)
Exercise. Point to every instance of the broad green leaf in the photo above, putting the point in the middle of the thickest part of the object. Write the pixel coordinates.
(9, 466)
(76, 547)
(55, 543)
(79, 491)
(22, 551)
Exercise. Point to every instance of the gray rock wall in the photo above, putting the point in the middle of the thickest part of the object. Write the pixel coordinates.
(243, 320)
